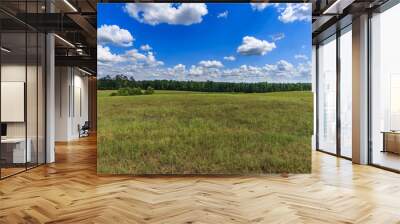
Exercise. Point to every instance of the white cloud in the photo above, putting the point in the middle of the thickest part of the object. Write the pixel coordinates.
(223, 14)
(174, 14)
(253, 46)
(196, 70)
(281, 71)
(229, 58)
(289, 13)
(296, 12)
(130, 58)
(115, 35)
(135, 56)
(179, 67)
(145, 66)
(145, 47)
(104, 55)
(281, 68)
(277, 36)
(259, 6)
(301, 56)
(211, 64)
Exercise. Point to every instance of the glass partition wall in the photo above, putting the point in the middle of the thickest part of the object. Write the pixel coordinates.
(327, 95)
(385, 89)
(345, 61)
(334, 94)
(22, 77)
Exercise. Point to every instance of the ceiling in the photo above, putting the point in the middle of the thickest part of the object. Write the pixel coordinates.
(331, 15)
(73, 21)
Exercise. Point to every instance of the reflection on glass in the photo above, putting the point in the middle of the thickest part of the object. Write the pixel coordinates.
(327, 95)
(385, 92)
(346, 92)
(41, 99)
(14, 153)
(31, 100)
(22, 90)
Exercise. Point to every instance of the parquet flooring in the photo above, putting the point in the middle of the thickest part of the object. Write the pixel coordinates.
(69, 191)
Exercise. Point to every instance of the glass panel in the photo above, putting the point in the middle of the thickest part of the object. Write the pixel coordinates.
(31, 98)
(346, 92)
(41, 99)
(23, 89)
(327, 95)
(13, 87)
(32, 86)
(385, 92)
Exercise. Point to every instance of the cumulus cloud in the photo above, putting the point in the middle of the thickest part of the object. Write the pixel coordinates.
(259, 6)
(174, 14)
(145, 47)
(129, 58)
(104, 55)
(281, 68)
(115, 35)
(301, 56)
(134, 55)
(281, 71)
(288, 13)
(253, 46)
(295, 12)
(149, 59)
(152, 61)
(223, 14)
(277, 36)
(179, 67)
(229, 58)
(211, 64)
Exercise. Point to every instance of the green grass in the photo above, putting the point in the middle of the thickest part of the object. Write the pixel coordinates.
(174, 132)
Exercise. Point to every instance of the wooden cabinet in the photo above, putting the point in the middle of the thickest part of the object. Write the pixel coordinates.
(391, 142)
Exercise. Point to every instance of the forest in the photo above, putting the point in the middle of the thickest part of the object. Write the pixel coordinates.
(123, 81)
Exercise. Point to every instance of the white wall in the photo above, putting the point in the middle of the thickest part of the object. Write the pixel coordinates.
(33, 126)
(62, 82)
(71, 87)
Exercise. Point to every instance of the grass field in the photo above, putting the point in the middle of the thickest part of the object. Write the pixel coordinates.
(174, 132)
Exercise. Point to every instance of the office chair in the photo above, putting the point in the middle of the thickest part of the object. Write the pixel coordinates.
(84, 130)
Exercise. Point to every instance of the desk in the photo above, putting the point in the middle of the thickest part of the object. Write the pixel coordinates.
(391, 141)
(15, 148)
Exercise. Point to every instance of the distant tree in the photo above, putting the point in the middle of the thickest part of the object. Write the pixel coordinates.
(149, 90)
(122, 82)
(135, 91)
(123, 91)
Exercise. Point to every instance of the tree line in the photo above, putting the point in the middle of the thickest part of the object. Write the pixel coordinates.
(122, 81)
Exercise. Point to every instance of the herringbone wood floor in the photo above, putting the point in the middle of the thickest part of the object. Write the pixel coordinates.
(69, 191)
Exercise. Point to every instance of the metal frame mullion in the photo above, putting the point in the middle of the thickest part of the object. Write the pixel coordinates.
(26, 86)
(338, 82)
(317, 96)
(37, 91)
(0, 92)
(369, 90)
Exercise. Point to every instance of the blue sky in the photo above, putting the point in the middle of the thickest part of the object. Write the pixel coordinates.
(235, 42)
